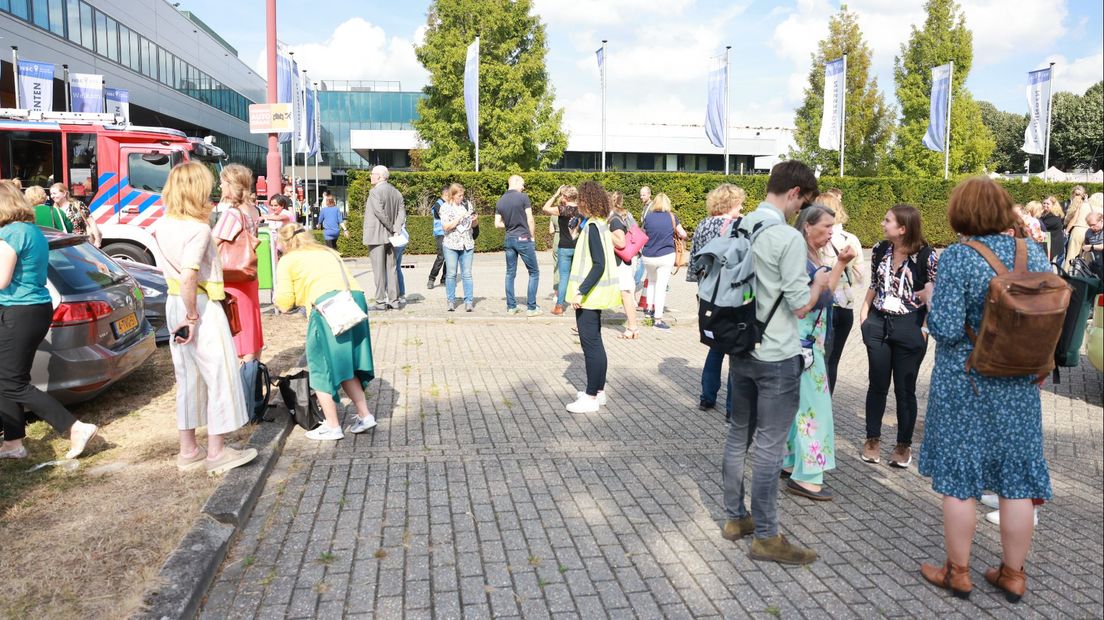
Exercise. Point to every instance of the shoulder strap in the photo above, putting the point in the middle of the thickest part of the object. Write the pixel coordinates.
(341, 268)
(1020, 265)
(990, 257)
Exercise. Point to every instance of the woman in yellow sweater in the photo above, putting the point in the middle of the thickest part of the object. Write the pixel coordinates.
(309, 273)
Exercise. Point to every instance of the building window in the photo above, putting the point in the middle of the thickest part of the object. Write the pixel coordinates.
(112, 35)
(101, 33)
(135, 51)
(72, 11)
(86, 26)
(19, 9)
(124, 45)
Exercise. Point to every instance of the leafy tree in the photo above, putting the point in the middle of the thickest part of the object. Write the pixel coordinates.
(519, 129)
(1077, 129)
(944, 38)
(1008, 132)
(868, 125)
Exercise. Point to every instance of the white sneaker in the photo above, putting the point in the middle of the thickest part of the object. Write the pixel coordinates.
(991, 500)
(363, 424)
(326, 433)
(994, 517)
(584, 404)
(601, 396)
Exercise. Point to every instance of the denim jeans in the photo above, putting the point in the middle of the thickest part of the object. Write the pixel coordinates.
(464, 258)
(528, 252)
(764, 405)
(638, 277)
(398, 270)
(711, 380)
(563, 264)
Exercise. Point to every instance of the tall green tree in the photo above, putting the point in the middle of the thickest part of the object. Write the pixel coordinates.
(1008, 134)
(944, 38)
(868, 126)
(519, 126)
(1077, 132)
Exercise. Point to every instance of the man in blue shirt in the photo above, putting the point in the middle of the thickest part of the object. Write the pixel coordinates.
(438, 237)
(514, 213)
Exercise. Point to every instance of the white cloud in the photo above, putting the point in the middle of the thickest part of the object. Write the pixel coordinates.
(1002, 30)
(1078, 75)
(359, 50)
(588, 12)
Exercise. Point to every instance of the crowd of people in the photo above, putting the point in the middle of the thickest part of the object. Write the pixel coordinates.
(982, 434)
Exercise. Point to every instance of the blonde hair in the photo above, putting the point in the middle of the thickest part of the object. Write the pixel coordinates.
(35, 195)
(723, 198)
(187, 191)
(833, 202)
(294, 237)
(454, 190)
(1055, 207)
(661, 203)
(239, 184)
(61, 187)
(570, 193)
(1034, 208)
(13, 205)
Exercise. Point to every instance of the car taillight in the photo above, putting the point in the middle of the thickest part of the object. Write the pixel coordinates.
(76, 313)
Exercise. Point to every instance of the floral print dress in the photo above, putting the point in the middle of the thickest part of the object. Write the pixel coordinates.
(811, 444)
(991, 438)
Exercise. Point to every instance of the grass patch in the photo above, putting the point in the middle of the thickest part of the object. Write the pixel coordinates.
(325, 558)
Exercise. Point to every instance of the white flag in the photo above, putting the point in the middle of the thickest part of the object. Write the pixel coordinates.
(471, 90)
(86, 91)
(36, 86)
(1038, 104)
(939, 113)
(835, 83)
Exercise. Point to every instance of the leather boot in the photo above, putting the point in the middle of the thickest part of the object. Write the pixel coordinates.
(950, 576)
(1012, 581)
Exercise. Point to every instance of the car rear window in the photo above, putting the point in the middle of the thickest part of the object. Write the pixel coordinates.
(81, 268)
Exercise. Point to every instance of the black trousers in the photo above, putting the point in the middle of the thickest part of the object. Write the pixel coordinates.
(331, 243)
(842, 320)
(22, 329)
(895, 348)
(439, 262)
(589, 323)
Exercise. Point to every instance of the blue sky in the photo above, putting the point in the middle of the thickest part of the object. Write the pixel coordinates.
(658, 50)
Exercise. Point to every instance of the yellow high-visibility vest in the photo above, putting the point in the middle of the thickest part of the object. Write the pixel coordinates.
(607, 292)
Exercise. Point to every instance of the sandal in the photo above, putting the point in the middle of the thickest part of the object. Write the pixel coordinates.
(630, 334)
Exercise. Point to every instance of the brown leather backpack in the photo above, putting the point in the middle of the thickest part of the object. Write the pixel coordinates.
(1022, 318)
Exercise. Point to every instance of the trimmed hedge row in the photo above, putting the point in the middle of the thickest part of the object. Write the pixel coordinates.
(866, 199)
(420, 227)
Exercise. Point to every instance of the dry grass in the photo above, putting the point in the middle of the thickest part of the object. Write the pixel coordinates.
(88, 543)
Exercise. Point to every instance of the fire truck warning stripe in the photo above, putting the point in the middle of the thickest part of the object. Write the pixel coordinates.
(105, 193)
(149, 201)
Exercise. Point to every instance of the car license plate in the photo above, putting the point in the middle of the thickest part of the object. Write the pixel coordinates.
(125, 325)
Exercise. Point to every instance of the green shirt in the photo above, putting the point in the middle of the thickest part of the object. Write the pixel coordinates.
(779, 253)
(50, 216)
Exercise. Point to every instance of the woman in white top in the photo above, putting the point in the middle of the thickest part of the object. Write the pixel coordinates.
(850, 285)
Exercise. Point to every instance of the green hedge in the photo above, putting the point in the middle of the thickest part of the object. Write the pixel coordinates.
(420, 228)
(866, 199)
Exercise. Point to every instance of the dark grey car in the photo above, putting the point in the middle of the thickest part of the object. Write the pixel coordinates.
(154, 291)
(99, 332)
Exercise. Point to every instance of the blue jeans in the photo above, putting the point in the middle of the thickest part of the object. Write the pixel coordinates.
(398, 270)
(638, 277)
(563, 264)
(711, 380)
(464, 258)
(528, 252)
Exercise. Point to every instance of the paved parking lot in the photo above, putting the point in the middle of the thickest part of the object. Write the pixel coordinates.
(479, 496)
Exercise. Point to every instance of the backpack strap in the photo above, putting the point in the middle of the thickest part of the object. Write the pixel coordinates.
(1020, 265)
(991, 258)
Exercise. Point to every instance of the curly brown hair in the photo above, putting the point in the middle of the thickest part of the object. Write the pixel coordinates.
(593, 200)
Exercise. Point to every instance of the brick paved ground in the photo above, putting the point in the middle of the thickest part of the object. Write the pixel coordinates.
(479, 496)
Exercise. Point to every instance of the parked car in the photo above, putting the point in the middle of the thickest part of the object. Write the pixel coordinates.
(99, 332)
(154, 290)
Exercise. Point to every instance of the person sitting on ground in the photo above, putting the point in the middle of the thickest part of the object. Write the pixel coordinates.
(307, 275)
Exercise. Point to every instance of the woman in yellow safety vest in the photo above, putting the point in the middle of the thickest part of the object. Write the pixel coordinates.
(591, 289)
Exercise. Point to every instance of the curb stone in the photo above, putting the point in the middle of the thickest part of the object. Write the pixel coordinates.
(191, 568)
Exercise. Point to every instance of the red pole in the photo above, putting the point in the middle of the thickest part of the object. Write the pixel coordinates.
(273, 161)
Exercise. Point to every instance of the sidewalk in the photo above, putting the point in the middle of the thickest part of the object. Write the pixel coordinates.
(478, 496)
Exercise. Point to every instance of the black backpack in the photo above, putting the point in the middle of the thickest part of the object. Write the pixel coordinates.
(257, 385)
(300, 399)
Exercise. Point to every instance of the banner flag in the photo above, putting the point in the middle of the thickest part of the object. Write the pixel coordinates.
(36, 86)
(86, 91)
(601, 56)
(715, 101)
(1038, 104)
(285, 68)
(118, 103)
(940, 98)
(835, 89)
(471, 90)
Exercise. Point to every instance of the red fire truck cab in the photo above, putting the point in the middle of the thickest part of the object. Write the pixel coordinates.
(118, 170)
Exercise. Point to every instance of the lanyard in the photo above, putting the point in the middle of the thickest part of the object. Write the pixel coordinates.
(888, 286)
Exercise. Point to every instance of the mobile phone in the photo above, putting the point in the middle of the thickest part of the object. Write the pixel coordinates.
(183, 333)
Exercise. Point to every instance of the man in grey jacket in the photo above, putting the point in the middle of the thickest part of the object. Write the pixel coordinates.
(384, 216)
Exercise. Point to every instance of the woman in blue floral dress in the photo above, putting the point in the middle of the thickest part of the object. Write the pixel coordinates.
(980, 432)
(811, 444)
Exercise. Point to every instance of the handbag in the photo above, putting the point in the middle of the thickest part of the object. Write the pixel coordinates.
(228, 303)
(239, 255)
(300, 399)
(682, 257)
(341, 311)
(635, 239)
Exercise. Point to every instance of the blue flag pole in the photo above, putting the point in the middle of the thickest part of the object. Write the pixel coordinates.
(1050, 114)
(727, 48)
(843, 115)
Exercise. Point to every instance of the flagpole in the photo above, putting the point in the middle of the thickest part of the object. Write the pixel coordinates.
(68, 101)
(843, 114)
(947, 135)
(292, 146)
(727, 68)
(1050, 115)
(604, 104)
(477, 49)
(15, 72)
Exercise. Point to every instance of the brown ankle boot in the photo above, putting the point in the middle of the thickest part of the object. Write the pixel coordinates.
(1012, 581)
(949, 576)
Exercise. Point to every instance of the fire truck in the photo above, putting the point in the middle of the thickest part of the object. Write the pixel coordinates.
(118, 170)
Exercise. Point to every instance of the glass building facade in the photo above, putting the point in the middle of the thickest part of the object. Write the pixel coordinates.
(83, 24)
(345, 106)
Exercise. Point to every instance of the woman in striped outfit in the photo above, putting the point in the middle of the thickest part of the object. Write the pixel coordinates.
(208, 384)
